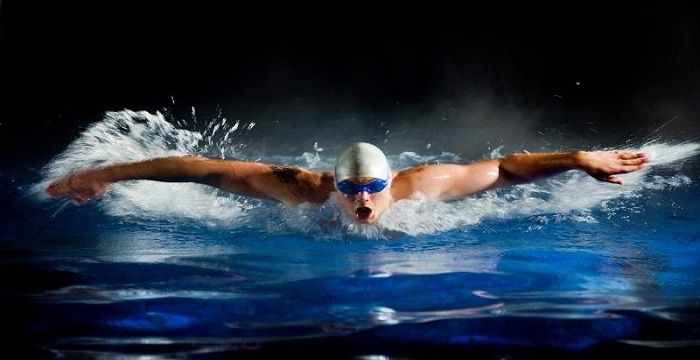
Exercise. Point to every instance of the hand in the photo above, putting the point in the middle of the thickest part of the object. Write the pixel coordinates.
(606, 165)
(81, 186)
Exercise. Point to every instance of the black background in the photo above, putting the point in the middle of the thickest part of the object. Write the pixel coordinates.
(493, 72)
(65, 63)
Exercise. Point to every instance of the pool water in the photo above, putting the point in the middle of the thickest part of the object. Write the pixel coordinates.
(565, 265)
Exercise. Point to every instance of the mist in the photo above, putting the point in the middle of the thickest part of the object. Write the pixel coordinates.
(445, 77)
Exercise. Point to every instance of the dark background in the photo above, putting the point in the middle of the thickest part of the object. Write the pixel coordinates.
(460, 76)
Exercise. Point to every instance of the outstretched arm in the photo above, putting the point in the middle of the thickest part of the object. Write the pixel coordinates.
(602, 165)
(453, 181)
(283, 183)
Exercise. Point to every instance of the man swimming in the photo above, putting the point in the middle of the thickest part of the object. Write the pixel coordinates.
(363, 181)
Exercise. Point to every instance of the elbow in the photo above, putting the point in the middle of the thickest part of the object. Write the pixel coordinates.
(509, 177)
(209, 179)
(508, 169)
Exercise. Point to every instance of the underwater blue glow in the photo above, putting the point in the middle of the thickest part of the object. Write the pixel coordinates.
(564, 263)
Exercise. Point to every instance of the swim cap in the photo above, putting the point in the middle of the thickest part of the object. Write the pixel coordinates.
(362, 160)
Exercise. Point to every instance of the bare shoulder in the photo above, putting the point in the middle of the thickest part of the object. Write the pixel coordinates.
(445, 181)
(288, 184)
(424, 179)
(300, 185)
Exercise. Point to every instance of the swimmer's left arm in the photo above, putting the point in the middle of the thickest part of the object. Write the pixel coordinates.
(453, 181)
(602, 165)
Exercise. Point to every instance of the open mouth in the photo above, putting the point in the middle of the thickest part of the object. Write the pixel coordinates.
(363, 213)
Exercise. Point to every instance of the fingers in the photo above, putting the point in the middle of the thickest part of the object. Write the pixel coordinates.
(627, 155)
(65, 186)
(624, 169)
(629, 169)
(609, 164)
(636, 161)
(57, 189)
(633, 165)
(81, 197)
(74, 188)
(613, 179)
(630, 162)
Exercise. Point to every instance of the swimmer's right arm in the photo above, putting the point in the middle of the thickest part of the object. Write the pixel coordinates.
(290, 185)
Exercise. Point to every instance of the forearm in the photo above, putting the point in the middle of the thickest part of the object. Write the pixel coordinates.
(530, 166)
(283, 183)
(171, 169)
(287, 184)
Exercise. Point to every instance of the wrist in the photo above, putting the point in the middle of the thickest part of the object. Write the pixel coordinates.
(578, 159)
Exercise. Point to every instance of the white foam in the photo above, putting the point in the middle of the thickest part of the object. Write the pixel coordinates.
(126, 136)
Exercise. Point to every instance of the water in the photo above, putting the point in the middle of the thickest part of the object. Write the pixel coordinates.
(563, 265)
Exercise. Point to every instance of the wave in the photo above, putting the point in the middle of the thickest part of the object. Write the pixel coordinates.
(127, 136)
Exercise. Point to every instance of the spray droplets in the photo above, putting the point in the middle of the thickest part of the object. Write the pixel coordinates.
(128, 136)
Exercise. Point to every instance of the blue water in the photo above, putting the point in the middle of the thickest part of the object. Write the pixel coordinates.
(567, 265)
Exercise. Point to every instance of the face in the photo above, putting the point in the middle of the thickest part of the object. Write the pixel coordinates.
(364, 207)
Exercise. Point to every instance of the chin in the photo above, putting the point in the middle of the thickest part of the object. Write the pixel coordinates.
(364, 221)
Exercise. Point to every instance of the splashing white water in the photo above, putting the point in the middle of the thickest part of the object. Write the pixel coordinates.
(128, 136)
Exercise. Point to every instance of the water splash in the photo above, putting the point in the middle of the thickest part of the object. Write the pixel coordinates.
(127, 136)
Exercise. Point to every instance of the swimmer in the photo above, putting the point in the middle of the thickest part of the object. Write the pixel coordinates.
(363, 181)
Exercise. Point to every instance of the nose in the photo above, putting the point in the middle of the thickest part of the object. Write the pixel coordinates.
(363, 196)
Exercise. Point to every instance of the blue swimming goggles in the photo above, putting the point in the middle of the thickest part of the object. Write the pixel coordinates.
(350, 188)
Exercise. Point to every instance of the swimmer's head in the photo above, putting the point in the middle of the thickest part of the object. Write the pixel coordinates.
(363, 179)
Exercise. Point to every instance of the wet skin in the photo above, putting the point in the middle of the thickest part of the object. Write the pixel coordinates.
(293, 186)
(364, 207)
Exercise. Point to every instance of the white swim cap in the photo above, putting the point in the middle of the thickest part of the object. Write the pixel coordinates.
(362, 160)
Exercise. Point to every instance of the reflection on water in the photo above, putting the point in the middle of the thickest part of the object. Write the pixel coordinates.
(566, 285)
(566, 263)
